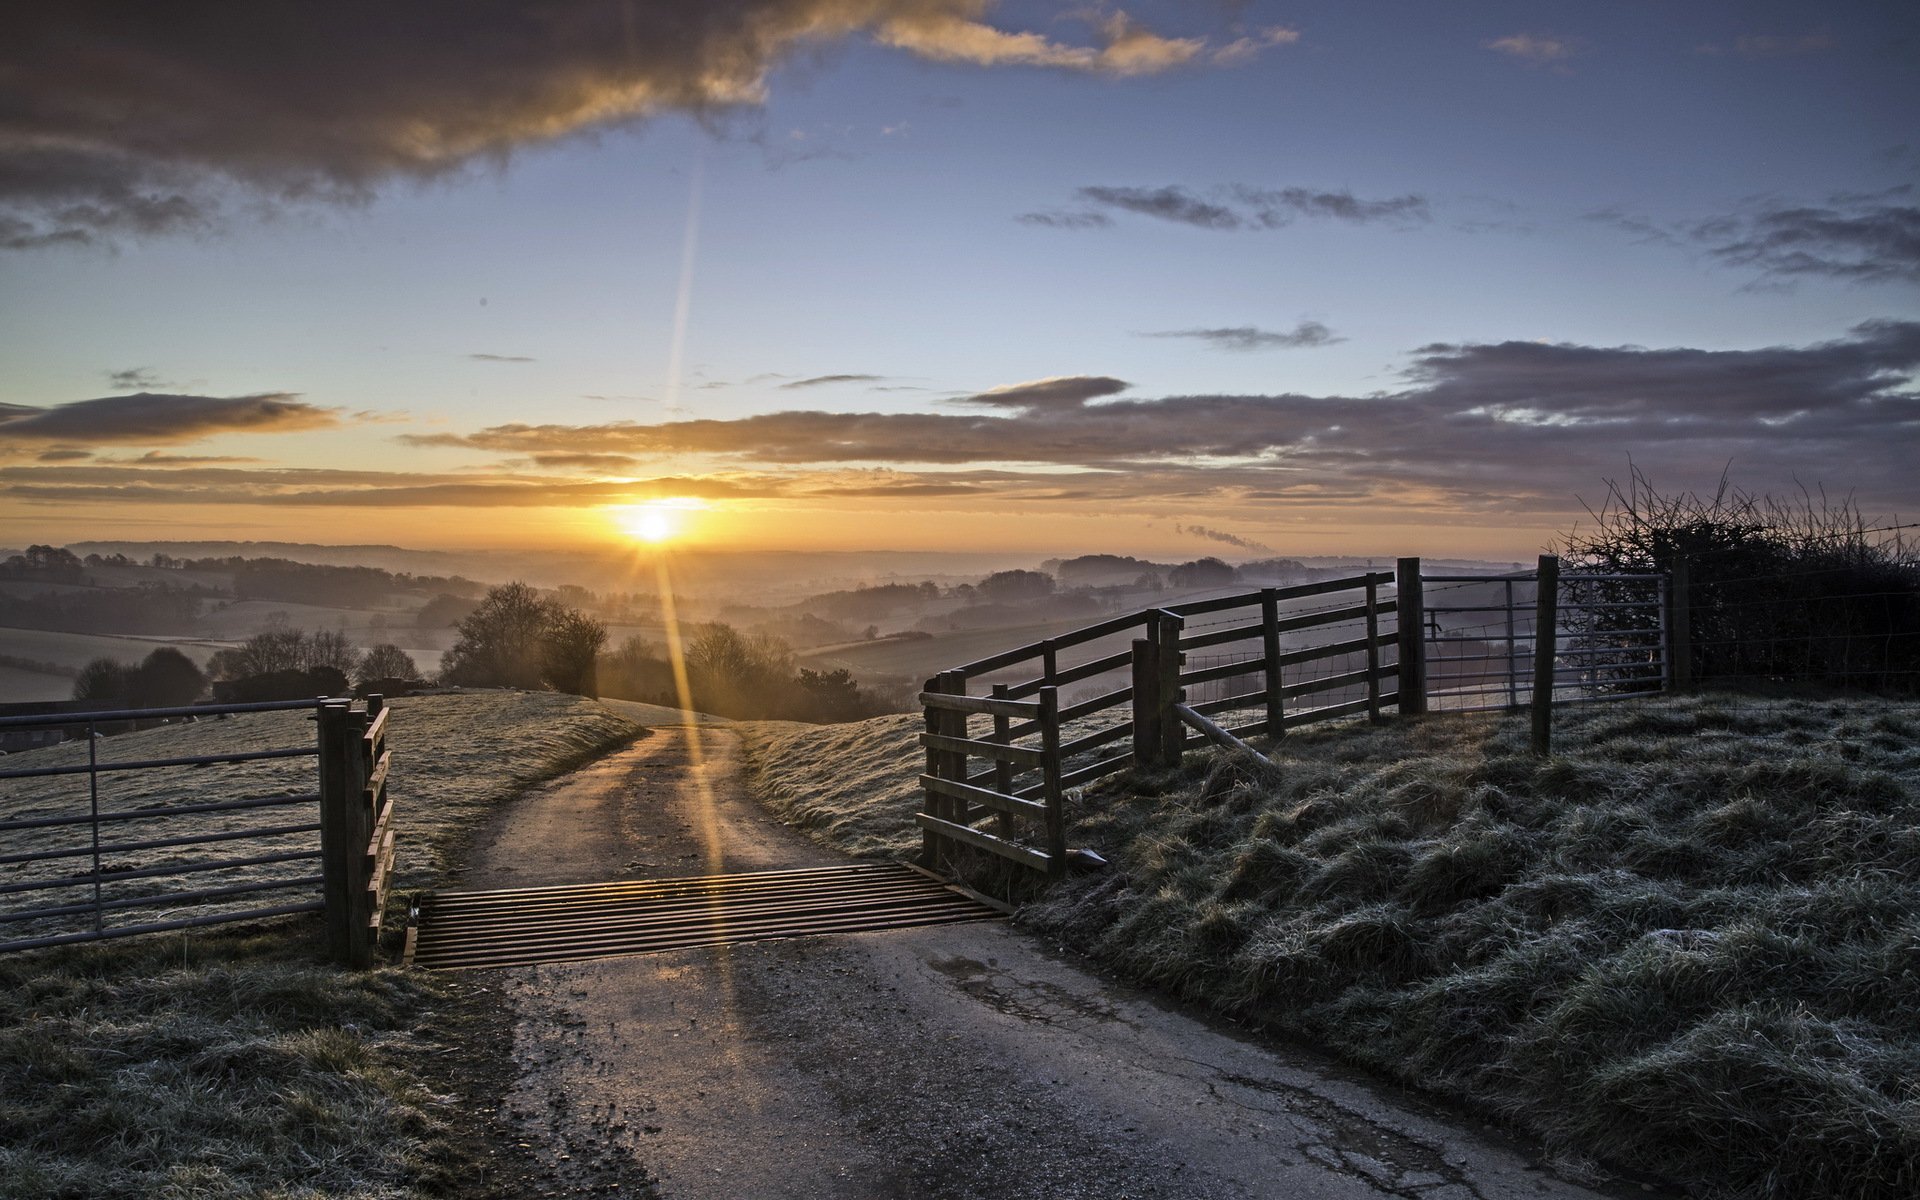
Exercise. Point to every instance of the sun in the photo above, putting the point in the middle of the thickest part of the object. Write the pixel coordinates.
(654, 522)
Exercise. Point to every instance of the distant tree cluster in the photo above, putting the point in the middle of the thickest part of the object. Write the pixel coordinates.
(282, 663)
(732, 674)
(50, 564)
(166, 678)
(517, 638)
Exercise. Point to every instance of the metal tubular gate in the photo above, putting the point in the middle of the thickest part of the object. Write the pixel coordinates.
(58, 889)
(1611, 639)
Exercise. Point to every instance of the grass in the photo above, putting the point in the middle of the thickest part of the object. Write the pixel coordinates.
(1689, 942)
(233, 1062)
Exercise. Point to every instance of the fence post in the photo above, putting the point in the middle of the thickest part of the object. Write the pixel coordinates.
(1052, 792)
(1002, 769)
(1373, 650)
(1270, 651)
(1146, 700)
(1173, 732)
(934, 802)
(345, 826)
(1546, 640)
(1412, 620)
(1680, 625)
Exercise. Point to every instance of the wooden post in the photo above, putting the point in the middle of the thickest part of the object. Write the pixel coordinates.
(1270, 650)
(934, 802)
(1173, 731)
(1051, 790)
(1373, 650)
(345, 826)
(1146, 702)
(1412, 619)
(1680, 625)
(1002, 769)
(1546, 638)
(954, 724)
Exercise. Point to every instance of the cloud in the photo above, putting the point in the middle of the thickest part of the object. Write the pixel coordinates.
(1538, 49)
(1867, 243)
(1769, 46)
(134, 379)
(1127, 47)
(502, 358)
(162, 419)
(1166, 204)
(1238, 206)
(1860, 237)
(821, 380)
(585, 461)
(1513, 419)
(121, 125)
(63, 454)
(1247, 337)
(1227, 539)
(1060, 391)
(1059, 219)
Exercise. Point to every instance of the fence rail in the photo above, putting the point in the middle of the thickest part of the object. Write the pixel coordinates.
(1275, 660)
(136, 856)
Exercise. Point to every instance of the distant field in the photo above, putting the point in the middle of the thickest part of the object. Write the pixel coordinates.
(78, 649)
(17, 686)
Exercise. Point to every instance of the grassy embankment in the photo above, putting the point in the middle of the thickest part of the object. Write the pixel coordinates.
(233, 1062)
(1689, 942)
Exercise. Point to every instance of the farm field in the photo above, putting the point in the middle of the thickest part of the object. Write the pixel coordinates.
(231, 1062)
(76, 650)
(1684, 944)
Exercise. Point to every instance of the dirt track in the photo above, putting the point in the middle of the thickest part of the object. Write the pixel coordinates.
(954, 1061)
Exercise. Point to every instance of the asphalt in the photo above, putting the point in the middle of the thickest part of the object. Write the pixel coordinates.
(955, 1061)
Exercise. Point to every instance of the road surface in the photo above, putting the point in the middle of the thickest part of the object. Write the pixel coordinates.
(954, 1061)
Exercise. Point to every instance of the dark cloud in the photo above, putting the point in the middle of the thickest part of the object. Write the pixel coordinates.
(501, 358)
(1275, 208)
(162, 419)
(1062, 391)
(1165, 203)
(1865, 237)
(141, 379)
(1239, 206)
(1865, 242)
(1247, 337)
(1058, 219)
(131, 120)
(63, 454)
(820, 380)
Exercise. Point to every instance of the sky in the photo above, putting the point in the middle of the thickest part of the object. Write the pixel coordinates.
(1169, 279)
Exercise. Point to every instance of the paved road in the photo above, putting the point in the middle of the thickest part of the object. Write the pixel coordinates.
(957, 1061)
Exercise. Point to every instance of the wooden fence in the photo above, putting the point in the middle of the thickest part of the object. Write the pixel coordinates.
(1003, 789)
(1224, 669)
(266, 841)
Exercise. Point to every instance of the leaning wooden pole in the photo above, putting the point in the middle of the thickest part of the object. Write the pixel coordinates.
(1546, 645)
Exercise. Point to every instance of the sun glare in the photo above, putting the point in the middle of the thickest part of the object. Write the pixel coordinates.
(654, 522)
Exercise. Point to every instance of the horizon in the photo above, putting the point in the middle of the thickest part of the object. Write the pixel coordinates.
(1015, 279)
